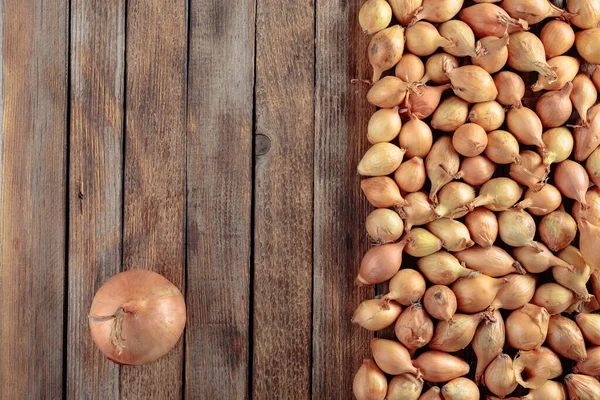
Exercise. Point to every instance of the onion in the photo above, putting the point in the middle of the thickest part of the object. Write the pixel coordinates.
(434, 393)
(553, 297)
(406, 287)
(526, 126)
(488, 342)
(418, 210)
(410, 68)
(136, 317)
(374, 16)
(483, 226)
(492, 261)
(456, 335)
(538, 260)
(422, 243)
(517, 292)
(516, 228)
(554, 108)
(461, 388)
(566, 69)
(391, 357)
(582, 387)
(557, 37)
(454, 234)
(376, 314)
(590, 306)
(592, 166)
(565, 338)
(476, 170)
(438, 10)
(414, 328)
(440, 302)
(416, 138)
(549, 390)
(500, 376)
(442, 165)
(587, 138)
(587, 43)
(434, 68)
(388, 92)
(385, 50)
(489, 115)
(422, 105)
(575, 281)
(590, 327)
(369, 382)
(423, 39)
(532, 11)
(583, 96)
(380, 263)
(450, 114)
(588, 243)
(586, 13)
(498, 194)
(410, 175)
(491, 20)
(557, 230)
(404, 387)
(492, 53)
(442, 268)
(476, 293)
(531, 172)
(572, 180)
(502, 148)
(436, 366)
(542, 202)
(471, 83)
(596, 77)
(384, 125)
(534, 368)
(461, 35)
(404, 10)
(526, 54)
(592, 214)
(559, 145)
(382, 192)
(469, 140)
(453, 197)
(381, 159)
(384, 226)
(527, 327)
(511, 88)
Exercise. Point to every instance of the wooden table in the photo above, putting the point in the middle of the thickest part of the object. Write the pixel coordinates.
(214, 142)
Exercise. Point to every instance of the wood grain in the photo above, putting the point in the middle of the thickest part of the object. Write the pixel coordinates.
(153, 236)
(220, 103)
(33, 213)
(339, 347)
(95, 184)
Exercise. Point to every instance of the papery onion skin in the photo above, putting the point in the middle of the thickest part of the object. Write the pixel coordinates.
(516, 228)
(553, 297)
(591, 365)
(436, 366)
(511, 88)
(369, 382)
(572, 180)
(557, 37)
(404, 10)
(538, 258)
(587, 43)
(526, 126)
(489, 115)
(414, 327)
(493, 53)
(461, 388)
(471, 83)
(588, 243)
(433, 393)
(527, 327)
(462, 36)
(582, 387)
(540, 365)
(391, 357)
(384, 226)
(500, 377)
(476, 170)
(532, 11)
(584, 95)
(469, 140)
(559, 145)
(423, 39)
(541, 202)
(555, 108)
(526, 54)
(592, 166)
(587, 135)
(381, 159)
(565, 68)
(476, 293)
(423, 104)
(442, 164)
(452, 197)
(488, 342)
(502, 148)
(440, 302)
(491, 20)
(374, 16)
(411, 175)
(565, 338)
(450, 114)
(498, 194)
(418, 210)
(384, 125)
(416, 138)
(456, 335)
(492, 261)
(442, 268)
(557, 230)
(385, 50)
(434, 68)
(388, 92)
(404, 387)
(382, 192)
(575, 281)
(406, 287)
(454, 234)
(380, 263)
(483, 226)
(376, 314)
(517, 292)
(422, 243)
(438, 10)
(410, 68)
(586, 13)
(590, 327)
(142, 309)
(592, 213)
(549, 390)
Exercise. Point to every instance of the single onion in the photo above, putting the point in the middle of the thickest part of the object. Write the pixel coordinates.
(502, 148)
(416, 138)
(469, 140)
(541, 202)
(471, 83)
(526, 54)
(382, 192)
(488, 342)
(582, 387)
(554, 108)
(438, 10)
(442, 268)
(575, 281)
(572, 180)
(532, 11)
(385, 50)
(410, 175)
(384, 226)
(526, 126)
(406, 287)
(492, 261)
(531, 172)
(500, 376)
(457, 334)
(557, 37)
(553, 297)
(450, 114)
(404, 10)
(476, 170)
(414, 328)
(534, 368)
(381, 159)
(511, 88)
(565, 68)
(588, 243)
(518, 291)
(136, 317)
(374, 16)
(592, 166)
(587, 43)
(492, 53)
(454, 234)
(423, 39)
(410, 68)
(497, 194)
(490, 20)
(539, 260)
(565, 338)
(369, 382)
(376, 314)
(590, 327)
(391, 357)
(586, 13)
(440, 302)
(461, 388)
(434, 393)
(388, 92)
(583, 96)
(461, 35)
(404, 387)
(587, 137)
(591, 365)
(483, 226)
(476, 293)
(436, 366)
(384, 125)
(452, 197)
(557, 230)
(422, 243)
(590, 306)
(418, 210)
(434, 68)
(549, 390)
(423, 104)
(380, 263)
(516, 228)
(592, 212)
(559, 145)
(442, 164)
(527, 327)
(596, 77)
(489, 115)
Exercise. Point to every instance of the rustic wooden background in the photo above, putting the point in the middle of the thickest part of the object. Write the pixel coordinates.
(212, 141)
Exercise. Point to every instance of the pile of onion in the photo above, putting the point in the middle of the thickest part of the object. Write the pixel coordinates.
(484, 166)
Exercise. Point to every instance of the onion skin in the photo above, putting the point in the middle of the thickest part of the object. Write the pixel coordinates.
(500, 376)
(572, 180)
(493, 53)
(555, 108)
(526, 54)
(469, 140)
(382, 192)
(404, 387)
(461, 35)
(384, 226)
(540, 365)
(385, 50)
(391, 357)
(423, 39)
(582, 387)
(587, 138)
(497, 194)
(380, 263)
(440, 302)
(502, 148)
(381, 159)
(483, 226)
(541, 202)
(450, 114)
(422, 105)
(588, 243)
(141, 308)
(565, 338)
(532, 11)
(575, 281)
(490, 20)
(418, 210)
(414, 327)
(553, 297)
(557, 230)
(434, 68)
(458, 334)
(438, 10)
(559, 145)
(388, 92)
(587, 43)
(527, 327)
(406, 287)
(461, 388)
(442, 268)
(416, 138)
(411, 175)
(489, 115)
(586, 13)
(583, 96)
(432, 394)
(549, 390)
(442, 164)
(538, 258)
(422, 243)
(592, 166)
(404, 10)
(374, 16)
(454, 234)
(384, 125)
(517, 228)
(516, 293)
(492, 261)
(436, 366)
(476, 170)
(453, 197)
(511, 88)
(369, 382)
(565, 68)
(592, 213)
(410, 68)
(590, 327)
(488, 342)
(557, 37)
(526, 126)
(376, 314)
(476, 293)
(471, 83)
(591, 365)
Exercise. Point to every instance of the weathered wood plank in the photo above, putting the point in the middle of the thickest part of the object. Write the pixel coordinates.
(341, 117)
(153, 236)
(283, 199)
(95, 184)
(220, 90)
(33, 213)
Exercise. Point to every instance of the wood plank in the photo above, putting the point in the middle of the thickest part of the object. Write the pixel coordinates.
(220, 102)
(283, 199)
(95, 184)
(153, 236)
(341, 118)
(32, 231)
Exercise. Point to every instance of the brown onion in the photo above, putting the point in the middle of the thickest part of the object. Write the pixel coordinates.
(572, 180)
(500, 376)
(376, 314)
(423, 104)
(381, 159)
(511, 88)
(440, 302)
(587, 43)
(460, 389)
(422, 243)
(450, 114)
(423, 39)
(592, 213)
(590, 306)
(534, 368)
(582, 387)
(592, 166)
(488, 115)
(502, 148)
(583, 96)
(434, 68)
(374, 16)
(565, 338)
(526, 126)
(387, 92)
(454, 234)
(410, 175)
(406, 287)
(553, 297)
(392, 357)
(476, 293)
(436, 366)
(438, 10)
(541, 202)
(469, 140)
(549, 390)
(498, 194)
(414, 328)
(442, 268)
(410, 68)
(532, 11)
(404, 10)
(587, 138)
(385, 50)
(531, 172)
(554, 108)
(452, 197)
(488, 342)
(433, 393)
(369, 382)
(526, 54)
(527, 327)
(382, 192)
(590, 327)
(588, 243)
(476, 170)
(516, 228)
(517, 292)
(557, 230)
(384, 125)
(380, 263)
(492, 261)
(418, 210)
(492, 53)
(575, 281)
(490, 20)
(457, 334)
(565, 67)
(557, 37)
(442, 164)
(483, 226)
(461, 35)
(586, 13)
(136, 317)
(559, 145)
(471, 83)
(384, 226)
(539, 260)
(416, 138)
(404, 387)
